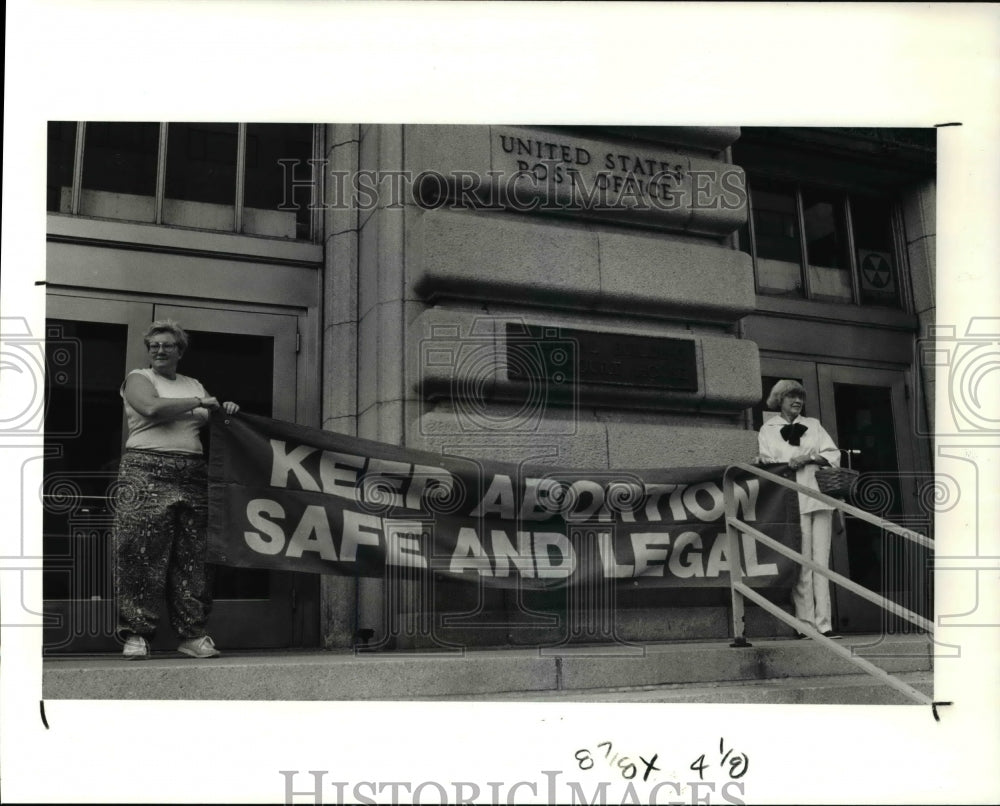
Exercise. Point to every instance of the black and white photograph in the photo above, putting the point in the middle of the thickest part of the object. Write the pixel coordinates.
(599, 436)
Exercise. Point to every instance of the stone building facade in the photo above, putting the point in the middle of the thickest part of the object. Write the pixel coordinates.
(582, 297)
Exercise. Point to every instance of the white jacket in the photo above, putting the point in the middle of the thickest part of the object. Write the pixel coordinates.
(773, 448)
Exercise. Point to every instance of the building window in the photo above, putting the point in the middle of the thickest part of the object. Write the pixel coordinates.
(821, 244)
(119, 171)
(200, 187)
(828, 261)
(59, 187)
(877, 267)
(779, 244)
(268, 194)
(217, 176)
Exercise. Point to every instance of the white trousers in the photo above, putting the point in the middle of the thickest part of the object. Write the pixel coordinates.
(811, 594)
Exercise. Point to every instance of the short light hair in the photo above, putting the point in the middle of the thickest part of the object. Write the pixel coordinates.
(781, 390)
(167, 326)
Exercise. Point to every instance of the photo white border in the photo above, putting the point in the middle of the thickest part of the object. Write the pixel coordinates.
(309, 60)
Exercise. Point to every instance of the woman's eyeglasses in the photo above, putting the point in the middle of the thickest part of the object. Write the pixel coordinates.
(155, 347)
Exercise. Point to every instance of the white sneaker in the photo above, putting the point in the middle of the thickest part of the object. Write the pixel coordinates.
(203, 647)
(136, 648)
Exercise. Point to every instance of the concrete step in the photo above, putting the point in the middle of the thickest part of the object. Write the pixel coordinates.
(819, 690)
(321, 675)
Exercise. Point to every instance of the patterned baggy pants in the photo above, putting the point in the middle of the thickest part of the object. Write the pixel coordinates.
(160, 542)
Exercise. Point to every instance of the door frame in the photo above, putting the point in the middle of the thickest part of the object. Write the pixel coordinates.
(244, 620)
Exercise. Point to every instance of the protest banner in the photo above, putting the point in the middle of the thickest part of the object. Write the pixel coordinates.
(288, 497)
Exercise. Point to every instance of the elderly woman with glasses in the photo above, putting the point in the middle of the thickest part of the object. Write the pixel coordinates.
(804, 445)
(162, 512)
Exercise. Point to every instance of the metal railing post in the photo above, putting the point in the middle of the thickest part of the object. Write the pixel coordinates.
(735, 565)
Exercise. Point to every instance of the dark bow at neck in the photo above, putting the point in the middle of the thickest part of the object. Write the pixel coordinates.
(792, 432)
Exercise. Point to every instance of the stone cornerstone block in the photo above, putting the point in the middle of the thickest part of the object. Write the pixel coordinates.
(501, 259)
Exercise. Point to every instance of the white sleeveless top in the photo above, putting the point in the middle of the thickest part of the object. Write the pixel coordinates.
(178, 435)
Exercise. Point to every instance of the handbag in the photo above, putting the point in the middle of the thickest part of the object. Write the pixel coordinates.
(837, 482)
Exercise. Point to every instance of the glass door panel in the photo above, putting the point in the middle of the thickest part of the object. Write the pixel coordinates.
(248, 358)
(237, 352)
(81, 457)
(234, 367)
(89, 344)
(864, 423)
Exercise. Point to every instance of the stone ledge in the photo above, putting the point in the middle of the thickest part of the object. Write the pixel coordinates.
(463, 355)
(502, 259)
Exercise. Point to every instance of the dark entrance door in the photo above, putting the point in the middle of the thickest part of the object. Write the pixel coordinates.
(872, 420)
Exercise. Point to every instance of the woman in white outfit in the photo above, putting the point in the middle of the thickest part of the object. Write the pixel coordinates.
(804, 445)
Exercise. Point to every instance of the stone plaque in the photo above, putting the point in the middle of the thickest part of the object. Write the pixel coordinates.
(560, 355)
(559, 173)
(593, 173)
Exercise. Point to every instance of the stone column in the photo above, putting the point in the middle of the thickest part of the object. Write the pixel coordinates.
(339, 594)
(380, 349)
(919, 220)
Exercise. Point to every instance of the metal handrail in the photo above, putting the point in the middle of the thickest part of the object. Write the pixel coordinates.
(739, 590)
